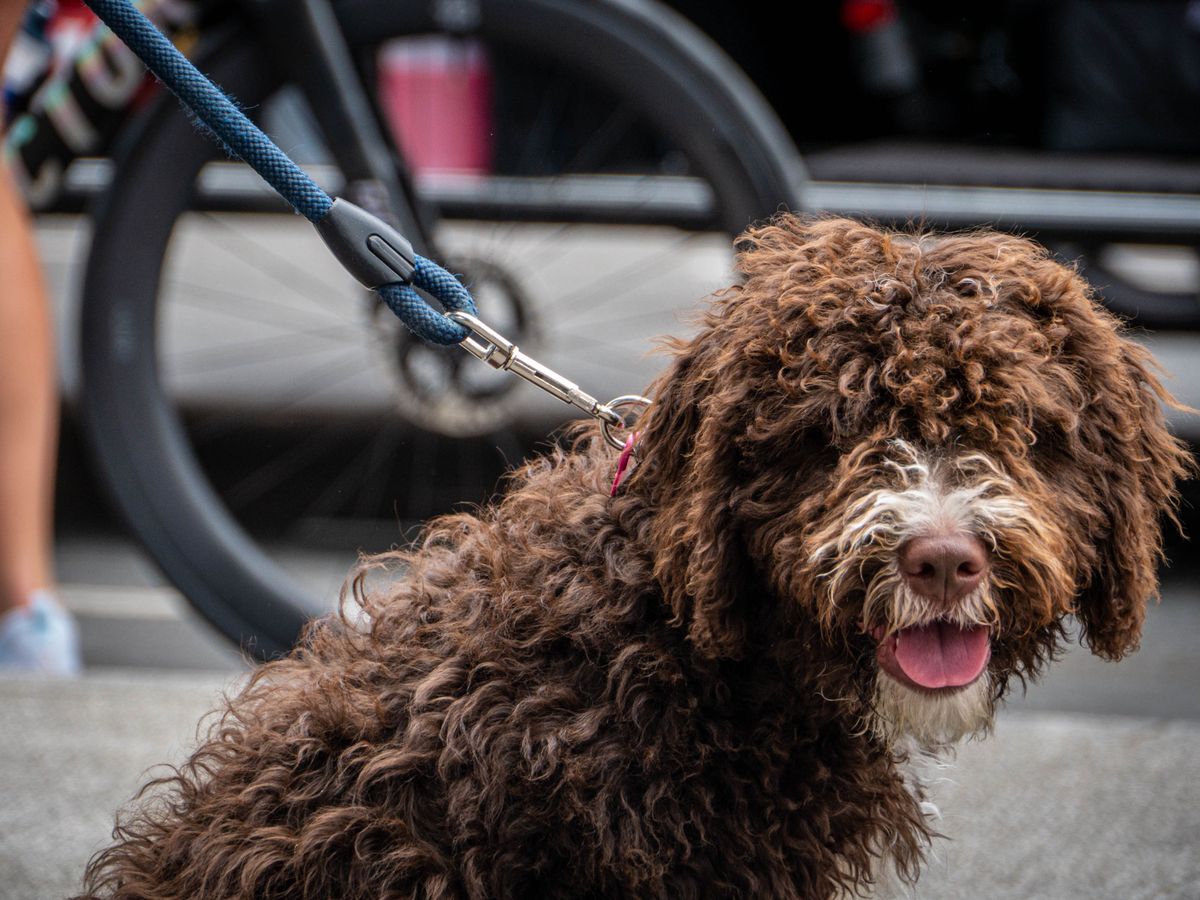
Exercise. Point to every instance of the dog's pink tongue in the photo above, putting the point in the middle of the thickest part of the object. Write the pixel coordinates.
(941, 654)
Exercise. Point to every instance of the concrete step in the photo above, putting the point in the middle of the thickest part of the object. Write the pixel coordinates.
(146, 627)
(1052, 806)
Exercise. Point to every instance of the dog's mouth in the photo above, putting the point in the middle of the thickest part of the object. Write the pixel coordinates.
(939, 655)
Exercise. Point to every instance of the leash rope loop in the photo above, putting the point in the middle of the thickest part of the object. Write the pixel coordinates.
(243, 139)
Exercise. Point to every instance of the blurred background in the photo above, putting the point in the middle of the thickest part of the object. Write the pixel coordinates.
(326, 431)
(308, 407)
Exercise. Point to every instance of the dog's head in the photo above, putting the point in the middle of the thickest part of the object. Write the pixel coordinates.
(935, 447)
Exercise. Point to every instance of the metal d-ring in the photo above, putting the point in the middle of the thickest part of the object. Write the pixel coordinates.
(628, 407)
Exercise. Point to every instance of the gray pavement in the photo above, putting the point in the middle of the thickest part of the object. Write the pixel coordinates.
(1055, 806)
(71, 753)
(1063, 806)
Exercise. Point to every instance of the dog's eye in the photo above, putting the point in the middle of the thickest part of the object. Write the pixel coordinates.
(967, 287)
(1051, 443)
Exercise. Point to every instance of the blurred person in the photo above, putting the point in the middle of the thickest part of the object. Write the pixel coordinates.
(37, 635)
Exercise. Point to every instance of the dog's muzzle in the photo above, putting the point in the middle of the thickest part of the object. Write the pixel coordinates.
(943, 652)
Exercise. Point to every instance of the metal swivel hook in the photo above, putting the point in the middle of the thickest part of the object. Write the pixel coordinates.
(488, 345)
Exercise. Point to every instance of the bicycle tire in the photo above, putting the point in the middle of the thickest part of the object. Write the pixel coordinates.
(139, 444)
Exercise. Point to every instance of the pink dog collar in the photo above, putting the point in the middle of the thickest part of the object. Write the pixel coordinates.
(623, 462)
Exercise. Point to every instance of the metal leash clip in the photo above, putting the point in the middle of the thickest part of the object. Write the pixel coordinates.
(488, 345)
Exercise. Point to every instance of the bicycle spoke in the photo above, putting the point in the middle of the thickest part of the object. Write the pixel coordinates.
(546, 123)
(588, 330)
(279, 267)
(608, 284)
(246, 304)
(298, 458)
(588, 157)
(327, 503)
(369, 469)
(322, 379)
(374, 480)
(616, 126)
(329, 374)
(621, 345)
(267, 477)
(261, 351)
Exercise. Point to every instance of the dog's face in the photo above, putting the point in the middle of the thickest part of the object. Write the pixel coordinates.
(935, 447)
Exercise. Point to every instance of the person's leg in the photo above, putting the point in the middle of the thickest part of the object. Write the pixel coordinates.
(28, 409)
(35, 633)
(11, 12)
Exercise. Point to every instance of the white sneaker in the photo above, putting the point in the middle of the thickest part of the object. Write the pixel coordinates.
(39, 638)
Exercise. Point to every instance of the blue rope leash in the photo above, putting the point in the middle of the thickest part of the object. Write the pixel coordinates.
(246, 141)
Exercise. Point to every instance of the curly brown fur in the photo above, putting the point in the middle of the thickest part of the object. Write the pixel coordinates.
(673, 692)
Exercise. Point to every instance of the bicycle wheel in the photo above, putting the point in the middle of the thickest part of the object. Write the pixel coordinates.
(643, 153)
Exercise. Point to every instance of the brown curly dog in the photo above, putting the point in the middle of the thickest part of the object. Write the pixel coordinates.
(868, 492)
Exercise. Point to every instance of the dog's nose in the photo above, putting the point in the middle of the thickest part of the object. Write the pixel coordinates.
(944, 567)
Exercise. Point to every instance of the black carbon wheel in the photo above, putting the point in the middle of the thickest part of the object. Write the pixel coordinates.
(665, 140)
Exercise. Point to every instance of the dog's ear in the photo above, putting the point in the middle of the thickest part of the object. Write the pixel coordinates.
(704, 406)
(689, 471)
(1125, 460)
(1136, 463)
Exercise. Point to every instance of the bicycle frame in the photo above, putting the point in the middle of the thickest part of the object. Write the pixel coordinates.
(305, 41)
